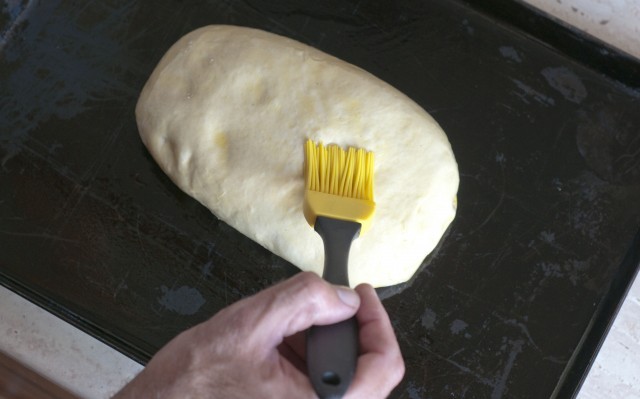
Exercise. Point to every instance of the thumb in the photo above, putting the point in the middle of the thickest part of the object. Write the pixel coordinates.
(298, 303)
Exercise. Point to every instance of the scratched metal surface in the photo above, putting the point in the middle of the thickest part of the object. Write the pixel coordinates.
(548, 150)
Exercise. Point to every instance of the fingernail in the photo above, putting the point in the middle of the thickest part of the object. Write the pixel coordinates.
(348, 296)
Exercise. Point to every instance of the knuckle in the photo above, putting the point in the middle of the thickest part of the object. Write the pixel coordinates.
(398, 367)
(314, 289)
(309, 279)
(312, 284)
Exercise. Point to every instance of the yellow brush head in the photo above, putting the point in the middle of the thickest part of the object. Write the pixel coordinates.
(339, 184)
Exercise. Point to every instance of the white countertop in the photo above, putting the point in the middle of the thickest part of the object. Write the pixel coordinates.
(616, 22)
(91, 369)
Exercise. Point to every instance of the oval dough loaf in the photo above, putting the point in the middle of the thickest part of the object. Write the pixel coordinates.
(226, 114)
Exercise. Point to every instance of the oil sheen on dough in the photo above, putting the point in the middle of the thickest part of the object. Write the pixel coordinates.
(227, 111)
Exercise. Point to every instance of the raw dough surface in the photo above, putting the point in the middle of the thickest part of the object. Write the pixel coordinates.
(226, 114)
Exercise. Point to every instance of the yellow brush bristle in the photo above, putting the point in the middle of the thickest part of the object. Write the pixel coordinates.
(339, 184)
(332, 170)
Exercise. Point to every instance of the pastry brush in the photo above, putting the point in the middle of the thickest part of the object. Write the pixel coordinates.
(338, 203)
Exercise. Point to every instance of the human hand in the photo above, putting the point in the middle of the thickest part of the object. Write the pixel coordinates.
(255, 347)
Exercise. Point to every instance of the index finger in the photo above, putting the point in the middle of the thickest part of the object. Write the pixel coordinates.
(380, 365)
(264, 319)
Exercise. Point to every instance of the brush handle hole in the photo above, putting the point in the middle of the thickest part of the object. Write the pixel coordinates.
(331, 378)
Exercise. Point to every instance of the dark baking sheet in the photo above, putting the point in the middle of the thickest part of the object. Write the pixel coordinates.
(513, 303)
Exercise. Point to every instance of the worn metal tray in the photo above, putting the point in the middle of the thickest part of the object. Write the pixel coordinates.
(513, 303)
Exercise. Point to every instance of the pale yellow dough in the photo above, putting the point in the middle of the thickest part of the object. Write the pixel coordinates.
(226, 114)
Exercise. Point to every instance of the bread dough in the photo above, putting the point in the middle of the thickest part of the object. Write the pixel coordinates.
(226, 114)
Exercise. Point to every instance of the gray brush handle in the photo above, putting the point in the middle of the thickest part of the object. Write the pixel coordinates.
(332, 350)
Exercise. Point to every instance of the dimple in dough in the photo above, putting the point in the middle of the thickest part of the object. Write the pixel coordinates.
(226, 114)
